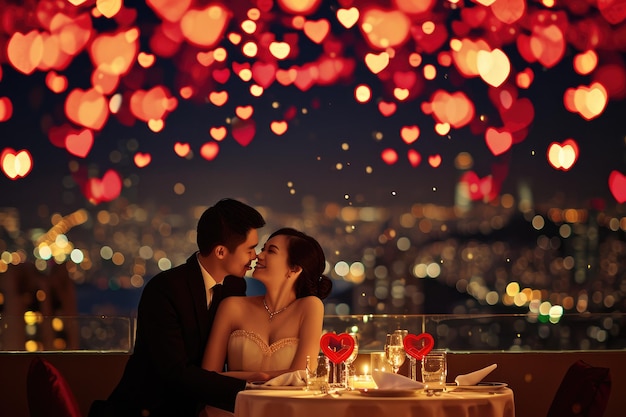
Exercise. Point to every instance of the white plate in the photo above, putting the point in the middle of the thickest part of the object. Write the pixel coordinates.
(259, 385)
(481, 386)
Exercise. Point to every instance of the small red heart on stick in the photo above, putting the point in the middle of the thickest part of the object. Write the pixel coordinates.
(419, 345)
(337, 347)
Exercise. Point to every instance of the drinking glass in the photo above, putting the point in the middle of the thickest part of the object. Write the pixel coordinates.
(317, 372)
(434, 370)
(348, 368)
(394, 351)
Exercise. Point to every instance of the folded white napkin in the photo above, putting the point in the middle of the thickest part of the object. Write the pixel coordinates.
(388, 380)
(294, 378)
(475, 377)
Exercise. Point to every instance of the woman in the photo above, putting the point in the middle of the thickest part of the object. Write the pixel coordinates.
(275, 332)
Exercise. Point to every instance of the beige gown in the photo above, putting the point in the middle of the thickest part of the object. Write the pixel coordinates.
(248, 352)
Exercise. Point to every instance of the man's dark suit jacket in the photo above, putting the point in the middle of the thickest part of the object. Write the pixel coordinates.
(164, 374)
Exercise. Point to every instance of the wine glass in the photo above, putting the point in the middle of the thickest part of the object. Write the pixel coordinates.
(394, 351)
(348, 371)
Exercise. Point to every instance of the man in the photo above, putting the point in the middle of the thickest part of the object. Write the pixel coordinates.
(163, 376)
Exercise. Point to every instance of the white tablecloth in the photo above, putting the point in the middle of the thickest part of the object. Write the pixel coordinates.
(299, 403)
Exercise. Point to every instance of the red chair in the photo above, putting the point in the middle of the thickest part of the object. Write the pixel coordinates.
(48, 393)
(584, 392)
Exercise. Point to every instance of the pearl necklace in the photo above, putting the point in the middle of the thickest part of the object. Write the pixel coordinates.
(272, 314)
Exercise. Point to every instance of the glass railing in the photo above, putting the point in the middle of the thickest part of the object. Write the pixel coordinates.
(456, 333)
(492, 333)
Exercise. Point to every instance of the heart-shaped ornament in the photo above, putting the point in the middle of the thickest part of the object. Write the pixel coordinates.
(337, 347)
(419, 345)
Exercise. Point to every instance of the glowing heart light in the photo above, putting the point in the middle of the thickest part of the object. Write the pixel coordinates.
(316, 30)
(221, 75)
(108, 8)
(244, 112)
(385, 28)
(400, 93)
(286, 77)
(389, 156)
(56, 83)
(156, 125)
(455, 109)
(16, 165)
(243, 131)
(218, 133)
(387, 108)
(498, 141)
(585, 62)
(279, 127)
(25, 51)
(6, 109)
(218, 98)
(617, 185)
(264, 73)
(563, 155)
(87, 108)
(337, 347)
(182, 149)
(418, 346)
(209, 151)
(434, 160)
(301, 7)
(548, 45)
(519, 116)
(142, 159)
(205, 27)
(348, 17)
(377, 62)
(108, 188)
(79, 144)
(414, 157)
(280, 50)
(145, 60)
(170, 10)
(115, 53)
(476, 188)
(409, 134)
(590, 101)
(494, 67)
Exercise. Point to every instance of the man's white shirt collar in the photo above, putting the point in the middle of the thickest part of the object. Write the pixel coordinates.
(209, 282)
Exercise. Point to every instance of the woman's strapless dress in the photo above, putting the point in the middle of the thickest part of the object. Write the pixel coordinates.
(248, 352)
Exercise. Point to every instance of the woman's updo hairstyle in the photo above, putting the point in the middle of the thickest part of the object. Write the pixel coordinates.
(305, 252)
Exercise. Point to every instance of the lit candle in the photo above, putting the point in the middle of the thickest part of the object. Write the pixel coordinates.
(365, 369)
(364, 381)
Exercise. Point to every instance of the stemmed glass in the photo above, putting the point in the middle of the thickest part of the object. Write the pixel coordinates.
(394, 351)
(349, 360)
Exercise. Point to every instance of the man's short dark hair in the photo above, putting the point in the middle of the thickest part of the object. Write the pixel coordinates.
(226, 223)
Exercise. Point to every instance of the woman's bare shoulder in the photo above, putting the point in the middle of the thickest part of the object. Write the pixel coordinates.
(311, 302)
(237, 302)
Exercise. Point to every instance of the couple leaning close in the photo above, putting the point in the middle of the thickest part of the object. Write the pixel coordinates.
(183, 340)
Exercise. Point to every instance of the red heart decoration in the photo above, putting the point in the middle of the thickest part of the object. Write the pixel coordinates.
(337, 347)
(419, 345)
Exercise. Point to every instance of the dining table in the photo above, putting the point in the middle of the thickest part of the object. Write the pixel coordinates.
(292, 401)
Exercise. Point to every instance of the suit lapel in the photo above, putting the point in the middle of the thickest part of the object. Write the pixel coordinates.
(198, 295)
